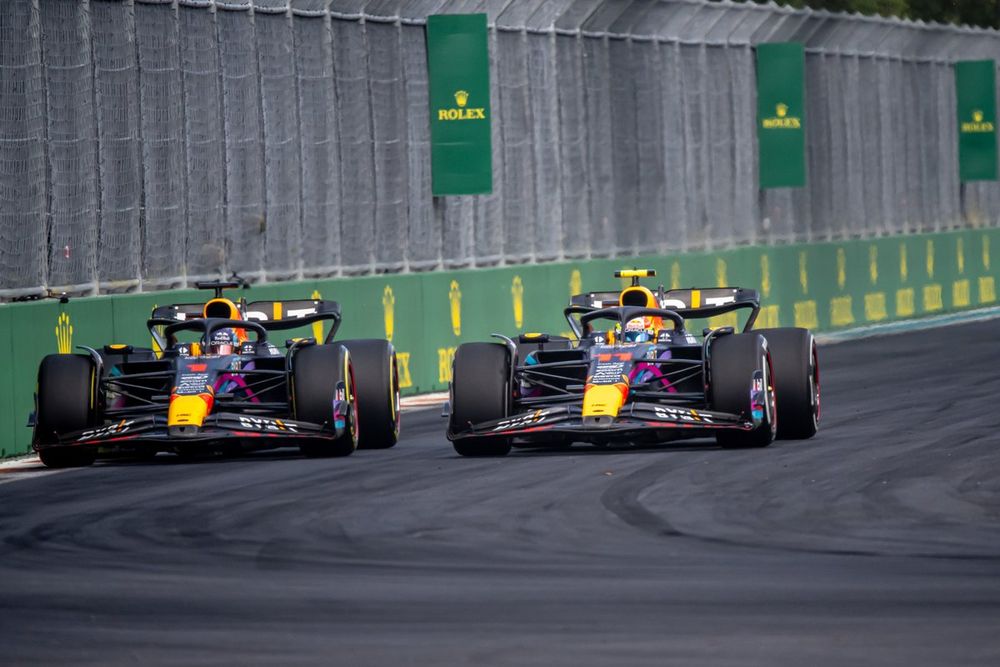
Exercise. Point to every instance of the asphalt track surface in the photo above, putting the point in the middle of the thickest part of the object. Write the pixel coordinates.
(875, 543)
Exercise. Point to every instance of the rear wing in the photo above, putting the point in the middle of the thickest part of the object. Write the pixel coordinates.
(690, 303)
(695, 303)
(272, 315)
(595, 299)
(281, 315)
(178, 312)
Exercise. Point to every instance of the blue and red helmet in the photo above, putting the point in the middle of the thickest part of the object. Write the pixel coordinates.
(224, 341)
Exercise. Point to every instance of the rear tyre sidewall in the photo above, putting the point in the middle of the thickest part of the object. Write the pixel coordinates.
(796, 376)
(479, 393)
(377, 389)
(734, 360)
(317, 370)
(66, 403)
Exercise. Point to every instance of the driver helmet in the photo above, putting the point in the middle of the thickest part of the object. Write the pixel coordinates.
(224, 341)
(639, 330)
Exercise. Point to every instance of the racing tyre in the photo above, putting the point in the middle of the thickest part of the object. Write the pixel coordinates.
(375, 368)
(796, 381)
(738, 362)
(479, 393)
(317, 372)
(65, 404)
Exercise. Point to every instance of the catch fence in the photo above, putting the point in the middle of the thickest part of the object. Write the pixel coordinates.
(145, 144)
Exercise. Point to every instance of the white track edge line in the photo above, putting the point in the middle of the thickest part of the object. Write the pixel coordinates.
(907, 326)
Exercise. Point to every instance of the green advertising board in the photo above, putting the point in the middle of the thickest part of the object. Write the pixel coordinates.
(458, 65)
(781, 115)
(975, 92)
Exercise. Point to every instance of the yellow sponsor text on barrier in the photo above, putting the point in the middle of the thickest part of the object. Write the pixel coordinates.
(875, 310)
(403, 366)
(806, 315)
(987, 290)
(905, 302)
(932, 298)
(841, 311)
(446, 357)
(769, 317)
(960, 296)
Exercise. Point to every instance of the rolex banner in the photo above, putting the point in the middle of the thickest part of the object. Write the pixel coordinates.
(781, 115)
(459, 73)
(975, 88)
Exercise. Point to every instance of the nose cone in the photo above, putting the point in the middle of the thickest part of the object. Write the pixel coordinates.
(603, 401)
(599, 421)
(189, 411)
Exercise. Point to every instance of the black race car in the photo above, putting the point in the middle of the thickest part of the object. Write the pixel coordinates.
(218, 382)
(636, 374)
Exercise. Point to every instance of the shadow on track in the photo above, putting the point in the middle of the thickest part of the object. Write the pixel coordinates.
(597, 450)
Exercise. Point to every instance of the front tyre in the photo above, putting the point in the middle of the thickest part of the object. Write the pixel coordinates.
(323, 389)
(375, 368)
(796, 376)
(742, 383)
(479, 393)
(66, 403)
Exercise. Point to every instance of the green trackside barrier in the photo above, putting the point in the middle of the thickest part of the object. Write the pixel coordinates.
(823, 286)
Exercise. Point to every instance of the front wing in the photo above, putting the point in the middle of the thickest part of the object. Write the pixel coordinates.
(153, 430)
(634, 418)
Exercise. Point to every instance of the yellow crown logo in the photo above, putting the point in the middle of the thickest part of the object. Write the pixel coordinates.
(977, 116)
(517, 295)
(64, 334)
(841, 268)
(461, 98)
(720, 273)
(781, 110)
(389, 311)
(765, 275)
(803, 272)
(575, 282)
(455, 299)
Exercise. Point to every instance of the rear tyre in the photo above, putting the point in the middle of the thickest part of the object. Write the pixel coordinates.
(737, 362)
(796, 377)
(374, 364)
(318, 372)
(479, 393)
(65, 404)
